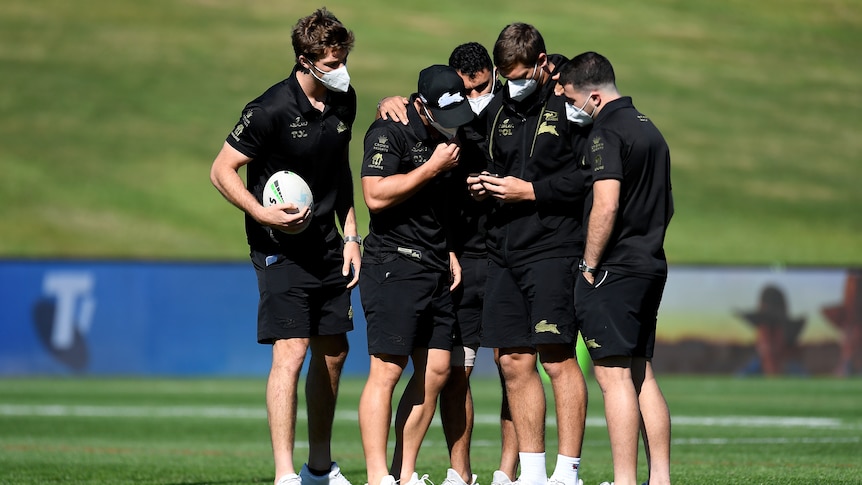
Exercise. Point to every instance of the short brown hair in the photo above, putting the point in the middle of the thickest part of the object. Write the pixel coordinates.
(319, 31)
(518, 43)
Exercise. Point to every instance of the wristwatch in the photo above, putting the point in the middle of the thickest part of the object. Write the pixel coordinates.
(356, 239)
(583, 268)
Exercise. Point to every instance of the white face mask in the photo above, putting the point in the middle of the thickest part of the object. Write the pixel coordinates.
(337, 80)
(479, 103)
(449, 133)
(521, 88)
(577, 115)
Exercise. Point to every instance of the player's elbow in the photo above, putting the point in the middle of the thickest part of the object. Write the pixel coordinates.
(214, 177)
(375, 204)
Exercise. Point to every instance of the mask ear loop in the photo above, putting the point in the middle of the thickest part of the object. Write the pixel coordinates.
(427, 113)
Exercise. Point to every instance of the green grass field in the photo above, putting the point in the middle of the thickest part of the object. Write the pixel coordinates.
(111, 114)
(213, 431)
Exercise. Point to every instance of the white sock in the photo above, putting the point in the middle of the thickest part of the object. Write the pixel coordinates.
(533, 470)
(566, 470)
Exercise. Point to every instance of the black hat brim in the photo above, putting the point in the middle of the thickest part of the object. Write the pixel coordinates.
(453, 117)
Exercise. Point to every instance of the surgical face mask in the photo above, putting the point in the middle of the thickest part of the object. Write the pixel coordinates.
(479, 103)
(337, 80)
(577, 115)
(449, 133)
(521, 88)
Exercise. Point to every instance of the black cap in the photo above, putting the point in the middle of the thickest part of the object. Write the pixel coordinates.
(442, 90)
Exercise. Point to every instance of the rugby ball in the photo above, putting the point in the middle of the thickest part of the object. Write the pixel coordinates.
(286, 187)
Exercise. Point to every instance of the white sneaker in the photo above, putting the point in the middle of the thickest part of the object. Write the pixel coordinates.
(607, 483)
(554, 481)
(500, 478)
(289, 479)
(454, 478)
(474, 479)
(415, 479)
(387, 480)
(334, 477)
(518, 481)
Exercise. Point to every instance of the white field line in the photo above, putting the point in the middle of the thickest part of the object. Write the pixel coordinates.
(226, 412)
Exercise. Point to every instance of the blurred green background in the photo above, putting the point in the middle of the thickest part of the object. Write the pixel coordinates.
(112, 111)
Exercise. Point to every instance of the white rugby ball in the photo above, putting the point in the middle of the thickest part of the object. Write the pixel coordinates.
(286, 187)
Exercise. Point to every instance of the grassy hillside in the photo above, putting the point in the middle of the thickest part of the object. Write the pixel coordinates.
(110, 115)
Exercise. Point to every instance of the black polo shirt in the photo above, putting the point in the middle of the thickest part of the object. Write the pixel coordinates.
(625, 145)
(415, 228)
(469, 227)
(280, 130)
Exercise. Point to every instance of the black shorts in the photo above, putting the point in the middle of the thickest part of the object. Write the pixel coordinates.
(530, 305)
(407, 306)
(617, 314)
(301, 300)
(469, 298)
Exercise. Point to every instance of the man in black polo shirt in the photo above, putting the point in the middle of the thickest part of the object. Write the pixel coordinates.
(302, 124)
(473, 63)
(534, 244)
(409, 269)
(624, 267)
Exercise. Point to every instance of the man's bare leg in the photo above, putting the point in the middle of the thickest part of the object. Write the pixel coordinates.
(288, 356)
(417, 406)
(456, 414)
(328, 354)
(655, 419)
(508, 438)
(375, 412)
(622, 414)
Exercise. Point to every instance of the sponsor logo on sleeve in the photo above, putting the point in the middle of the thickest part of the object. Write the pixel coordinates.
(382, 144)
(376, 161)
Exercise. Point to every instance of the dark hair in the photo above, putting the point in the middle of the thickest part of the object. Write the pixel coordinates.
(589, 70)
(313, 34)
(470, 58)
(518, 43)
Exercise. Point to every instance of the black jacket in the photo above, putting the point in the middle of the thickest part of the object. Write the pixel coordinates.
(532, 140)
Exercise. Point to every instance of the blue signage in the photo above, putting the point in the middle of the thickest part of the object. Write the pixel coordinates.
(101, 317)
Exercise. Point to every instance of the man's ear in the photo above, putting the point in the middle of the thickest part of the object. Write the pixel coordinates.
(558, 88)
(597, 96)
(303, 62)
(542, 60)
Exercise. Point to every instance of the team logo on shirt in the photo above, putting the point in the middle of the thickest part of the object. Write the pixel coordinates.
(341, 128)
(298, 123)
(598, 144)
(546, 128)
(382, 144)
(376, 162)
(598, 164)
(506, 128)
(237, 131)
